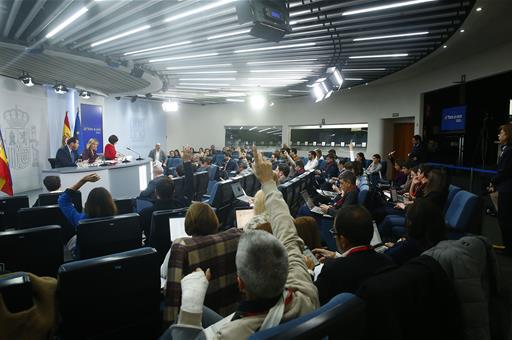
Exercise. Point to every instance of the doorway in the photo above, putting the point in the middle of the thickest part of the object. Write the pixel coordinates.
(402, 136)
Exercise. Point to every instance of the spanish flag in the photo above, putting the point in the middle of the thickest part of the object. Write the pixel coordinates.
(66, 130)
(5, 173)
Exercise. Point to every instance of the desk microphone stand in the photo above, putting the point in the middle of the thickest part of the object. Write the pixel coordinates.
(139, 158)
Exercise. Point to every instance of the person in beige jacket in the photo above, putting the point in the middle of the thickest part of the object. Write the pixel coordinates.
(272, 276)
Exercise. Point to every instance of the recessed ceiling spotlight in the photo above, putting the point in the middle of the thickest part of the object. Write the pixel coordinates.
(85, 94)
(462, 30)
(26, 79)
(60, 88)
(479, 9)
(445, 46)
(366, 83)
(257, 101)
(170, 106)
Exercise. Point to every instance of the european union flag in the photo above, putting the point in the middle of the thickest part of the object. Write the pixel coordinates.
(78, 133)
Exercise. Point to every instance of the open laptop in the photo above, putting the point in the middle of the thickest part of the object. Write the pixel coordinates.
(243, 216)
(177, 228)
(309, 202)
(239, 193)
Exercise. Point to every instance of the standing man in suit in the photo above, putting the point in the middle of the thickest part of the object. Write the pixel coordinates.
(68, 154)
(157, 154)
(418, 154)
(353, 231)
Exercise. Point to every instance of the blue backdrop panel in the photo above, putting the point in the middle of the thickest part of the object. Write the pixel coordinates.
(92, 124)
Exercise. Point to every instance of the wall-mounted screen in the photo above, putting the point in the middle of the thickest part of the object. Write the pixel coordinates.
(453, 119)
(339, 135)
(262, 136)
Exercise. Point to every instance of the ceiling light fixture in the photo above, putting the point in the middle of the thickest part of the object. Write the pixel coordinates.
(170, 106)
(67, 22)
(391, 36)
(183, 57)
(279, 47)
(206, 79)
(354, 79)
(158, 48)
(230, 34)
(84, 94)
(396, 55)
(26, 79)
(281, 61)
(253, 128)
(235, 100)
(388, 6)
(60, 88)
(198, 10)
(298, 91)
(479, 9)
(362, 69)
(462, 30)
(257, 101)
(445, 46)
(202, 84)
(282, 70)
(121, 35)
(197, 66)
(207, 72)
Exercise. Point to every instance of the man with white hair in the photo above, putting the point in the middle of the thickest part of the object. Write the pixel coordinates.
(272, 277)
(148, 194)
(157, 155)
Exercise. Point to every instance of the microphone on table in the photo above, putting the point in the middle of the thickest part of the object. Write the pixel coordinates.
(138, 158)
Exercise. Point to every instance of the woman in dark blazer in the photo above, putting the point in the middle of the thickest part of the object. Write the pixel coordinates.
(502, 183)
(90, 153)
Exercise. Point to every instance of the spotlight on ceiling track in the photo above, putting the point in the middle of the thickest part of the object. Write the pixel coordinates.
(26, 79)
(60, 88)
(270, 19)
(329, 82)
(85, 94)
(170, 106)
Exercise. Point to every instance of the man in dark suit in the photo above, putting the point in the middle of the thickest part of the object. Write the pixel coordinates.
(229, 165)
(148, 194)
(418, 153)
(353, 231)
(68, 154)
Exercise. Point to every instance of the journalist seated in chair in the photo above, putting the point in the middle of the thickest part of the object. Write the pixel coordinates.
(148, 194)
(164, 193)
(272, 277)
(373, 170)
(353, 231)
(90, 154)
(200, 220)
(348, 194)
(425, 229)
(51, 184)
(205, 163)
(283, 172)
(67, 155)
(99, 204)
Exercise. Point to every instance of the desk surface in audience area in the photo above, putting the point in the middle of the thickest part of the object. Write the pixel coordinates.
(123, 180)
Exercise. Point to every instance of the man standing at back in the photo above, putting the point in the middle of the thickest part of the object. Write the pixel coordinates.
(67, 155)
(157, 154)
(353, 231)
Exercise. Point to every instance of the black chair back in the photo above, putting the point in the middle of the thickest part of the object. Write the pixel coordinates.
(52, 198)
(111, 297)
(250, 182)
(200, 184)
(160, 237)
(124, 205)
(37, 250)
(108, 235)
(47, 215)
(179, 188)
(16, 291)
(9, 207)
(52, 162)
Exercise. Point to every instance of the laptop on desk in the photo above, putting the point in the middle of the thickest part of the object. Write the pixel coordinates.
(311, 205)
(393, 195)
(240, 194)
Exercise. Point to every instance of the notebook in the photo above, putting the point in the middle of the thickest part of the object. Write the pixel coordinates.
(243, 216)
(177, 228)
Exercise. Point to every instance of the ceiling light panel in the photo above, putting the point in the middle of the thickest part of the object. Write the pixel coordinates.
(229, 34)
(183, 57)
(279, 47)
(121, 35)
(392, 36)
(396, 55)
(210, 6)
(188, 67)
(158, 48)
(67, 22)
(388, 6)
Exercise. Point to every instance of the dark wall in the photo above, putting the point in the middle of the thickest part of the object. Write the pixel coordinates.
(487, 101)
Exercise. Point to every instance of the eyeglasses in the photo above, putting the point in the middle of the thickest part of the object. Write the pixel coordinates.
(333, 231)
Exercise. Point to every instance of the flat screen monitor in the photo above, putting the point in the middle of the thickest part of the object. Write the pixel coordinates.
(453, 119)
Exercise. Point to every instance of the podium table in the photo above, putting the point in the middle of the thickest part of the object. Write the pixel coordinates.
(123, 180)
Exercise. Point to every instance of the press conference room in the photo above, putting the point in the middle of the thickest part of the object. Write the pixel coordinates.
(255, 169)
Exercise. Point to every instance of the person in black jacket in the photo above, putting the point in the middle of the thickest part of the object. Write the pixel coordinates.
(164, 192)
(418, 154)
(353, 231)
(67, 155)
(502, 183)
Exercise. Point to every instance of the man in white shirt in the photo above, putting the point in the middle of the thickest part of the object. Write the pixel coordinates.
(312, 163)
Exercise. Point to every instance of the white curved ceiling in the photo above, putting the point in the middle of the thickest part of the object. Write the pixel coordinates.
(202, 55)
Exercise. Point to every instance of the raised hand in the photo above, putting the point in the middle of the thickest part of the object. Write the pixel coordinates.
(262, 169)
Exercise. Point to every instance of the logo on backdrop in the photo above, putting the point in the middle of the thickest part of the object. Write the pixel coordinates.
(20, 139)
(137, 131)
